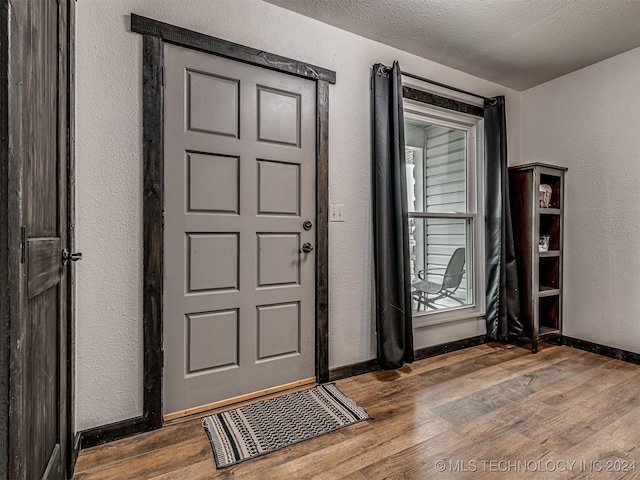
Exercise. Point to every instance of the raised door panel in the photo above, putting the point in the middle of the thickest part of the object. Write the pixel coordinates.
(278, 188)
(213, 183)
(212, 261)
(278, 116)
(212, 340)
(278, 262)
(213, 103)
(278, 330)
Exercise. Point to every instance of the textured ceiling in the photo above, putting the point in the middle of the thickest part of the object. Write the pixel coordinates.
(516, 43)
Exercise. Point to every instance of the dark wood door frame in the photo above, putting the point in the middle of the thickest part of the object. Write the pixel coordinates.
(155, 33)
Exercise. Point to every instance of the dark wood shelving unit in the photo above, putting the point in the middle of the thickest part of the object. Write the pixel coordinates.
(539, 273)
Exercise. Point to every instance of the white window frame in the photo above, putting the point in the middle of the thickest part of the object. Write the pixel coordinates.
(474, 127)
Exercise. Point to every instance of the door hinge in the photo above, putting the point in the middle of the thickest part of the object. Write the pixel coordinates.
(162, 75)
(23, 244)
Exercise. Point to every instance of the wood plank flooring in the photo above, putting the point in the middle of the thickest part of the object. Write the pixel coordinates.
(491, 411)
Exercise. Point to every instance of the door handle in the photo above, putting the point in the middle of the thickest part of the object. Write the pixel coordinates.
(306, 248)
(66, 256)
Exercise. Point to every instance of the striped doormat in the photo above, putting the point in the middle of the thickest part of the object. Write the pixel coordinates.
(263, 427)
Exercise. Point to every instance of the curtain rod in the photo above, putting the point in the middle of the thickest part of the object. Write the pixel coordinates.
(433, 82)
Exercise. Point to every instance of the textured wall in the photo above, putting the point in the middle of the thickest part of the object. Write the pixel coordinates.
(589, 121)
(109, 309)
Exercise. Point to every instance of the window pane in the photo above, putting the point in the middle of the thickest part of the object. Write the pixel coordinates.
(415, 182)
(436, 159)
(441, 260)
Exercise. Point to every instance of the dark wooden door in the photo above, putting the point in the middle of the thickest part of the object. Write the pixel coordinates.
(38, 134)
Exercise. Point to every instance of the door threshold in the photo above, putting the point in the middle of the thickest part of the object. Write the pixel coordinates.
(234, 402)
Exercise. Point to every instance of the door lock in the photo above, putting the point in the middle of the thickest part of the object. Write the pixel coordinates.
(306, 248)
(66, 256)
(307, 225)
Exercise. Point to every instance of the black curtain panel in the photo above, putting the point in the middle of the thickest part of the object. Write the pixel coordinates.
(391, 226)
(503, 301)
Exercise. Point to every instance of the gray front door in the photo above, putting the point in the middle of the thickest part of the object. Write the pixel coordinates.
(240, 182)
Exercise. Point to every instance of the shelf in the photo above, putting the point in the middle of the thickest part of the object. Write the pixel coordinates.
(547, 331)
(550, 253)
(555, 182)
(549, 314)
(548, 292)
(550, 225)
(548, 273)
(549, 211)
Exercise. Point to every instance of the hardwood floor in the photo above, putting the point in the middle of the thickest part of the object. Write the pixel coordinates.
(491, 411)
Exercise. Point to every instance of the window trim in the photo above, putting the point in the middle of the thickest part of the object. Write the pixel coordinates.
(474, 127)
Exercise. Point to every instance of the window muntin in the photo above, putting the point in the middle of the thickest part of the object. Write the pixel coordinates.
(442, 190)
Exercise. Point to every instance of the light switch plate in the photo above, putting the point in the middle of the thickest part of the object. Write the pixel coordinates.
(336, 213)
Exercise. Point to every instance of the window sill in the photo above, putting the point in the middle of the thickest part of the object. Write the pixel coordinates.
(453, 315)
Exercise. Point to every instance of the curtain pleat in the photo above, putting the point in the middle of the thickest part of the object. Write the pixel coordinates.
(502, 301)
(391, 226)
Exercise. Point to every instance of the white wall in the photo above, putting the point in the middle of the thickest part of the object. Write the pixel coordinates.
(109, 233)
(589, 121)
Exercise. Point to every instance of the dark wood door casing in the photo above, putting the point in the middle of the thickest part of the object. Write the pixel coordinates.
(155, 34)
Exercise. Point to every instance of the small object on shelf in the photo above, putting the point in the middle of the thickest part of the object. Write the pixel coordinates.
(543, 244)
(545, 196)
